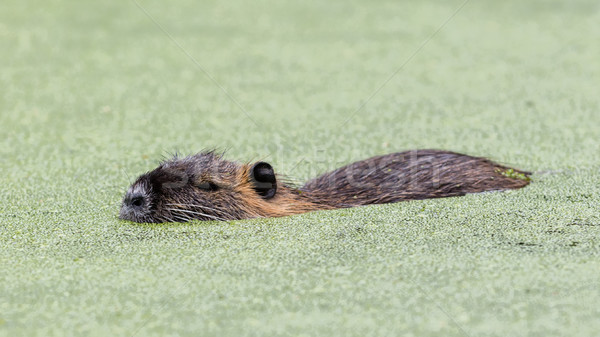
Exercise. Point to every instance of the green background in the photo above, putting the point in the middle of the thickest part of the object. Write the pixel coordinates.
(93, 93)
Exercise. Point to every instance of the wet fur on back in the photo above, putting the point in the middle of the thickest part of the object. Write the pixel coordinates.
(412, 175)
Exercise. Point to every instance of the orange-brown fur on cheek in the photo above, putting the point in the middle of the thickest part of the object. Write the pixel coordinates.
(286, 201)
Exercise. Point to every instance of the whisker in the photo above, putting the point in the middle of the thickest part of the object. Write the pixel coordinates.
(189, 205)
(200, 214)
(202, 207)
(218, 211)
(195, 213)
(127, 175)
(181, 218)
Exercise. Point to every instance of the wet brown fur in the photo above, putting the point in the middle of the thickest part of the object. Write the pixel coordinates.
(207, 187)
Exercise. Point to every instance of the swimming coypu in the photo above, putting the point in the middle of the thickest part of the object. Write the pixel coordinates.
(207, 187)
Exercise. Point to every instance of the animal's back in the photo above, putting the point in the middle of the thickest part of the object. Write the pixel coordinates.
(419, 174)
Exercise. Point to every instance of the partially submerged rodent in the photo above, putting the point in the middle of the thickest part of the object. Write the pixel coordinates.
(207, 187)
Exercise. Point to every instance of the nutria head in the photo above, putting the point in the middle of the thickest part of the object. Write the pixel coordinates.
(203, 186)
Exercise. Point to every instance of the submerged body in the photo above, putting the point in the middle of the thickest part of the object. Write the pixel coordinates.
(207, 187)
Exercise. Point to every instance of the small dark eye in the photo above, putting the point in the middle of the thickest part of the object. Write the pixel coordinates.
(137, 201)
(209, 186)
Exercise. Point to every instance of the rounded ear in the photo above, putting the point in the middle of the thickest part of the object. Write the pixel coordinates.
(263, 180)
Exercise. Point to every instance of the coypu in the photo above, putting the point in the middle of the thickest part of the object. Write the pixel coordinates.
(207, 187)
